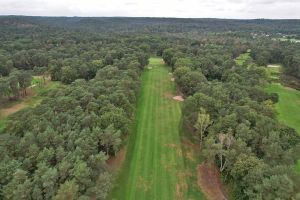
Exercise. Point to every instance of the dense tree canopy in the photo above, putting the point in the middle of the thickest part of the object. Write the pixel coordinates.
(58, 149)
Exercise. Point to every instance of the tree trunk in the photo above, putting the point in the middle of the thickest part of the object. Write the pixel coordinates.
(107, 149)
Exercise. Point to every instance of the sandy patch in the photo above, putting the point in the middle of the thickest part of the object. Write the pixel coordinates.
(178, 98)
(8, 111)
(210, 182)
(117, 161)
(273, 66)
(172, 79)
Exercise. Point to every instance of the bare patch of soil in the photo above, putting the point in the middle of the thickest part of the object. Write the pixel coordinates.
(181, 186)
(172, 79)
(15, 108)
(210, 182)
(178, 98)
(117, 161)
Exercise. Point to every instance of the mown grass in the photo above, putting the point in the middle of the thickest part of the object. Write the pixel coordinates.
(154, 167)
(242, 58)
(288, 107)
(273, 72)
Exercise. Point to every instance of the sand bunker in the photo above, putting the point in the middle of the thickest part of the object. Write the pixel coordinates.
(178, 98)
(273, 66)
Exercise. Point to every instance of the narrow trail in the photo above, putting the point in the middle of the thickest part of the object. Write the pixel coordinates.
(154, 166)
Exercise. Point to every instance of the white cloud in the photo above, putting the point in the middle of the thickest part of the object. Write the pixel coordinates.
(155, 8)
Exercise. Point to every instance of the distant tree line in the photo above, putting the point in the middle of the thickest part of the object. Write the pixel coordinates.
(58, 149)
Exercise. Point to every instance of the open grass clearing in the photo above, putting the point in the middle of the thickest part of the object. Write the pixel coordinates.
(155, 162)
(273, 72)
(242, 58)
(288, 107)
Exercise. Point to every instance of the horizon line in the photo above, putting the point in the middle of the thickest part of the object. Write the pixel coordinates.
(161, 17)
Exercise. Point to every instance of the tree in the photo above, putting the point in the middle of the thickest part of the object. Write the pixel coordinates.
(68, 74)
(13, 86)
(67, 191)
(226, 141)
(6, 68)
(111, 138)
(81, 173)
(55, 72)
(143, 59)
(49, 180)
(24, 80)
(168, 55)
(19, 187)
(202, 123)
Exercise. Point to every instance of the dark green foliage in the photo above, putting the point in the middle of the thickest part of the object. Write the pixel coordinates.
(58, 149)
(244, 139)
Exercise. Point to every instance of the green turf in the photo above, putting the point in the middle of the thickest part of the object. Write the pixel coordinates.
(154, 167)
(273, 72)
(242, 58)
(288, 107)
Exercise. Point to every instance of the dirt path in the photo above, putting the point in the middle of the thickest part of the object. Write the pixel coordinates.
(116, 162)
(5, 112)
(210, 182)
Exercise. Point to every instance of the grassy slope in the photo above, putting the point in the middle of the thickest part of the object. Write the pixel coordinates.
(154, 166)
(288, 107)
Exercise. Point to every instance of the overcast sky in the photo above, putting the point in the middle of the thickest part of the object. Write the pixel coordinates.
(155, 8)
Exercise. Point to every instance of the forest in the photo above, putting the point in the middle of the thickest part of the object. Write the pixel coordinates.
(113, 95)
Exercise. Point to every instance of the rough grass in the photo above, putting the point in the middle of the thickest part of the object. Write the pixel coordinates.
(154, 166)
(242, 58)
(288, 107)
(273, 72)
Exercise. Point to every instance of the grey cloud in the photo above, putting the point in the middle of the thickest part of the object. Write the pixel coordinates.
(156, 8)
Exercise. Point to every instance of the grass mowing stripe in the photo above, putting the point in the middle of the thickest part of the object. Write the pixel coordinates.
(135, 169)
(154, 165)
(152, 162)
(147, 147)
(143, 102)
